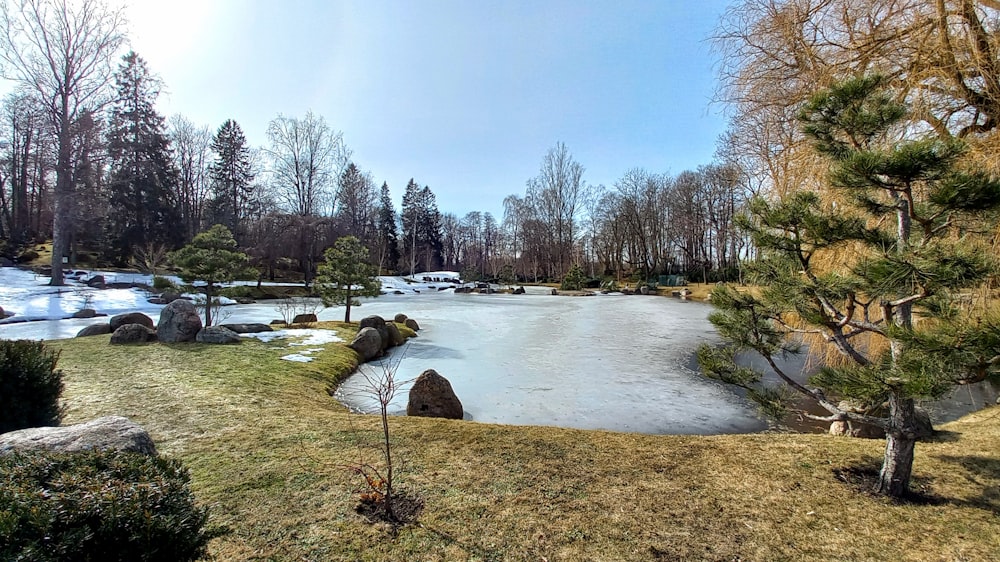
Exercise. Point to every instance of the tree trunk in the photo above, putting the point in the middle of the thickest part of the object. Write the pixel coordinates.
(62, 217)
(208, 305)
(897, 465)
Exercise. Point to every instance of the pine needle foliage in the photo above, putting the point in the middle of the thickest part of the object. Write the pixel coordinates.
(212, 257)
(892, 304)
(345, 275)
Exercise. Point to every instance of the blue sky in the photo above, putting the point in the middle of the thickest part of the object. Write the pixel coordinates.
(463, 96)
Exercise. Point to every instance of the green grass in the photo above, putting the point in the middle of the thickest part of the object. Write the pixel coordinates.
(268, 449)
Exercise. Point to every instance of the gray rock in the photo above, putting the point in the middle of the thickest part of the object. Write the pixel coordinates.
(368, 344)
(107, 433)
(96, 282)
(305, 319)
(217, 334)
(248, 328)
(94, 330)
(119, 320)
(379, 324)
(400, 318)
(644, 290)
(132, 333)
(432, 397)
(179, 322)
(519, 291)
(395, 336)
(412, 324)
(85, 313)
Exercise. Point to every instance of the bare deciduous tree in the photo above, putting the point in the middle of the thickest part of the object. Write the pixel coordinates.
(64, 53)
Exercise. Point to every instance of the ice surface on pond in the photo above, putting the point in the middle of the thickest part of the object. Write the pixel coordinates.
(620, 363)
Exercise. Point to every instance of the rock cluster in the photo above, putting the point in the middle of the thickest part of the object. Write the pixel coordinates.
(376, 335)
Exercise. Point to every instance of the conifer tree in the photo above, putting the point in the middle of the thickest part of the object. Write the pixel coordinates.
(212, 257)
(876, 275)
(345, 274)
(387, 236)
(232, 177)
(143, 178)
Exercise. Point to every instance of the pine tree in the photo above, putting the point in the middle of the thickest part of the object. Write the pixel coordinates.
(429, 230)
(212, 257)
(387, 234)
(232, 177)
(410, 217)
(422, 240)
(877, 278)
(142, 174)
(345, 274)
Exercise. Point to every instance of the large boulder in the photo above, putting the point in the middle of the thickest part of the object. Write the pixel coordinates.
(432, 397)
(412, 324)
(119, 320)
(379, 324)
(400, 318)
(368, 344)
(179, 322)
(85, 313)
(132, 333)
(94, 330)
(395, 336)
(248, 328)
(107, 433)
(216, 334)
(305, 319)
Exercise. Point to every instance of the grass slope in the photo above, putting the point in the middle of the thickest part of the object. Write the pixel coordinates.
(267, 448)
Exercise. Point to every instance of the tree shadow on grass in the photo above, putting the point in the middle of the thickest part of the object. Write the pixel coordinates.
(863, 476)
(982, 472)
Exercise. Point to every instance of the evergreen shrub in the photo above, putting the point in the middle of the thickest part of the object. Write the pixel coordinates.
(30, 385)
(98, 506)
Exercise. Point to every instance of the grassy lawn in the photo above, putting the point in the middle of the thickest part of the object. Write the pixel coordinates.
(267, 447)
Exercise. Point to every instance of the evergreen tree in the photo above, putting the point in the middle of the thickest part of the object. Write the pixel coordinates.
(410, 217)
(387, 235)
(232, 177)
(877, 278)
(212, 257)
(346, 274)
(422, 239)
(142, 174)
(429, 230)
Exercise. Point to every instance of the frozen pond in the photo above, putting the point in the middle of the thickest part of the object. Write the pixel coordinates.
(623, 363)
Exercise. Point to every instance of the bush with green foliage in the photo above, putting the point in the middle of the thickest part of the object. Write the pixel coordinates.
(162, 283)
(574, 279)
(98, 506)
(30, 385)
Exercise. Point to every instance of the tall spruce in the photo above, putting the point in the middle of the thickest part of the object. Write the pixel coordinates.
(143, 178)
(878, 275)
(422, 244)
(387, 231)
(232, 177)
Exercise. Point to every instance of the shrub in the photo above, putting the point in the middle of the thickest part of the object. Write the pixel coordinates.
(30, 385)
(236, 291)
(94, 506)
(162, 283)
(573, 280)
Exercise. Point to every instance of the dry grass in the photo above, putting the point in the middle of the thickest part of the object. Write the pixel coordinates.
(266, 446)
